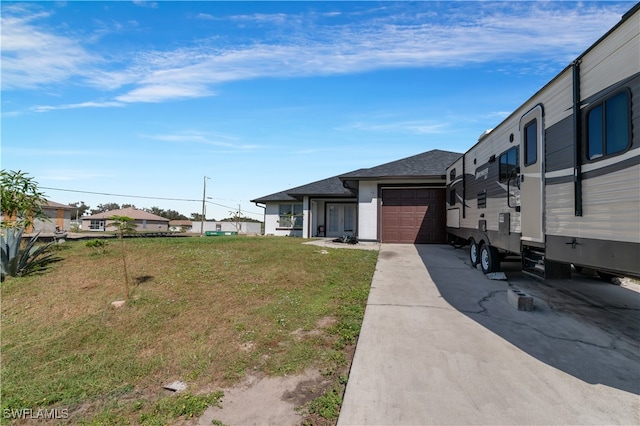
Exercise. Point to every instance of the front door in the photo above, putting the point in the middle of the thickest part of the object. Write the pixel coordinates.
(532, 175)
(341, 219)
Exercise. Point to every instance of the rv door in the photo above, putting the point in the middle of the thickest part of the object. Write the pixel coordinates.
(532, 175)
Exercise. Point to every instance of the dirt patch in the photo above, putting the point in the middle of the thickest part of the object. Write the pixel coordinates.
(267, 400)
(260, 400)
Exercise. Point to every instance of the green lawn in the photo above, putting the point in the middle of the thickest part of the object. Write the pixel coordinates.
(202, 310)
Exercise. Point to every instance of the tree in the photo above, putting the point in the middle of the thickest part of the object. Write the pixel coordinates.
(123, 225)
(21, 201)
(80, 209)
(174, 215)
(101, 208)
(167, 214)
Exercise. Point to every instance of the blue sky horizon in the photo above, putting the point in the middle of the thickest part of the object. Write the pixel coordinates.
(147, 98)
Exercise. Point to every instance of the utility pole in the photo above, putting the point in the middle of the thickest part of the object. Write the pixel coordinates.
(204, 197)
(238, 217)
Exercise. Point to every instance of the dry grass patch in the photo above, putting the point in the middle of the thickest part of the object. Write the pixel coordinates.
(203, 311)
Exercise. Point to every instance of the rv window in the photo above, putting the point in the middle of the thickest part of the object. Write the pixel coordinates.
(508, 163)
(531, 143)
(452, 175)
(608, 127)
(452, 197)
(482, 200)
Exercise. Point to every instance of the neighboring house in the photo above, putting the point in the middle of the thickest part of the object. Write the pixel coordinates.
(398, 202)
(143, 221)
(242, 228)
(180, 225)
(59, 217)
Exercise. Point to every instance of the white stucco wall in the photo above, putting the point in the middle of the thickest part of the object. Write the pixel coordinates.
(272, 215)
(368, 210)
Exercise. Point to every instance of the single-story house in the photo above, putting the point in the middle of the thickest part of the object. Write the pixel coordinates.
(398, 202)
(143, 221)
(59, 217)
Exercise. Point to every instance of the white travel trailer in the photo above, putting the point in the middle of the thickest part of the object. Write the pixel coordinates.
(558, 181)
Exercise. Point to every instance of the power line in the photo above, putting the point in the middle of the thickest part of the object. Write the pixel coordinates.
(145, 197)
(118, 195)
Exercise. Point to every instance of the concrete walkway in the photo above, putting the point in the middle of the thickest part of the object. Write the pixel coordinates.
(440, 344)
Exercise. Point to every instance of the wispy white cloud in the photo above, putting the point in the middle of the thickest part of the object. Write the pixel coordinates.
(34, 55)
(414, 127)
(197, 137)
(150, 4)
(90, 104)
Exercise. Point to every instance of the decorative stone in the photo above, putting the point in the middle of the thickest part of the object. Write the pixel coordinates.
(176, 386)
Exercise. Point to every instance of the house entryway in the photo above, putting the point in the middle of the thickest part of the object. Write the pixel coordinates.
(341, 219)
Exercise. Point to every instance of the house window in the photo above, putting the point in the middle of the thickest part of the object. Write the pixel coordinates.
(531, 143)
(97, 224)
(608, 125)
(290, 216)
(508, 163)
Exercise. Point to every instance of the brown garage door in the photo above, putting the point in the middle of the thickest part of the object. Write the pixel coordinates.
(414, 215)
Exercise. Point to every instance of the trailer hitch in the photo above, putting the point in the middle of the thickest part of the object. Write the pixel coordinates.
(573, 243)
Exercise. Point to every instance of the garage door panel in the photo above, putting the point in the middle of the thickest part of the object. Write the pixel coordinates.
(413, 215)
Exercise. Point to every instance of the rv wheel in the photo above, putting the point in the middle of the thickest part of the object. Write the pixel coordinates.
(474, 253)
(489, 259)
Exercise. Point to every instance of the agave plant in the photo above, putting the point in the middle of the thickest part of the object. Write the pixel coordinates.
(17, 261)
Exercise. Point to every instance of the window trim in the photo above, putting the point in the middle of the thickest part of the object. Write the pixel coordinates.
(601, 103)
(293, 215)
(525, 155)
(517, 163)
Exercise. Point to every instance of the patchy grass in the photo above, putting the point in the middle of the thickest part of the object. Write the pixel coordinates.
(203, 310)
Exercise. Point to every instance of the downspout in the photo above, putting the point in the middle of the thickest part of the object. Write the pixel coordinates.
(577, 140)
(264, 216)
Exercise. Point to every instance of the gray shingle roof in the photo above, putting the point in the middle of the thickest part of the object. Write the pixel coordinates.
(430, 163)
(331, 187)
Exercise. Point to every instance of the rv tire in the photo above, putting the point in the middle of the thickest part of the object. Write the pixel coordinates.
(489, 259)
(474, 253)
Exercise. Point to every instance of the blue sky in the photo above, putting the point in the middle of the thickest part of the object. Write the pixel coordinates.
(147, 98)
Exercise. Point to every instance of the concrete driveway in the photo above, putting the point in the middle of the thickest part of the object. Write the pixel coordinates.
(440, 344)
